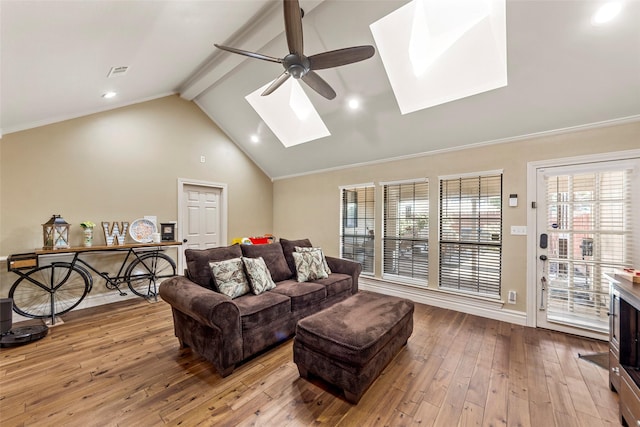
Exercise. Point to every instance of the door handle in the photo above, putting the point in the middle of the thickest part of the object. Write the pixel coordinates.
(543, 241)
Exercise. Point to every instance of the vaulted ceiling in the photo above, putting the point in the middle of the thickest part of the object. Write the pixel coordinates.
(563, 72)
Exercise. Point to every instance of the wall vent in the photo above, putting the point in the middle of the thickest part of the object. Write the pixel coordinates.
(118, 71)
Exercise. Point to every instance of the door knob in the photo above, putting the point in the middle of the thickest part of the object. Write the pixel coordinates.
(184, 240)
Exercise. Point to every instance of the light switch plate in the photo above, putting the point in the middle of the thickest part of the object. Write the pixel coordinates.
(519, 230)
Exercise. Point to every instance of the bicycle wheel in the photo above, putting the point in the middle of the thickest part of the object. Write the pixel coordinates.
(49, 290)
(146, 272)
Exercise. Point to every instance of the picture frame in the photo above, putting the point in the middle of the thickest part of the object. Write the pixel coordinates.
(168, 231)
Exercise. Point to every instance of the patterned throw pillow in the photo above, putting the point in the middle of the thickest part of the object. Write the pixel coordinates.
(324, 260)
(309, 266)
(259, 277)
(229, 277)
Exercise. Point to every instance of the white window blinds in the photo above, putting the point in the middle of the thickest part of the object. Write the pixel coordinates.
(589, 223)
(357, 226)
(471, 234)
(406, 231)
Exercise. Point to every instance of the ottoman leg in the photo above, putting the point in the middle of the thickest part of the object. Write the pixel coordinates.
(304, 373)
(352, 397)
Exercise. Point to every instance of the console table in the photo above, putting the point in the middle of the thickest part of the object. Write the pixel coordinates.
(45, 291)
(624, 347)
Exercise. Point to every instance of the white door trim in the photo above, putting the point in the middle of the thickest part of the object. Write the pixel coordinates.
(223, 211)
(532, 235)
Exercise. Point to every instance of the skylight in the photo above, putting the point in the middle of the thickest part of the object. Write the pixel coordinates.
(606, 13)
(437, 51)
(289, 114)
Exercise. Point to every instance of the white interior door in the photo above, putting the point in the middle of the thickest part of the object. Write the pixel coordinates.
(584, 227)
(202, 217)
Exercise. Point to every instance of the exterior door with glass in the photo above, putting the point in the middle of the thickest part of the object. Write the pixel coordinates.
(584, 229)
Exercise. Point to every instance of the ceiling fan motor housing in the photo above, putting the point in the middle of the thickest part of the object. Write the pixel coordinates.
(296, 65)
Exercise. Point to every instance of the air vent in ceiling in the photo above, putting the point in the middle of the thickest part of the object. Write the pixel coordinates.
(118, 71)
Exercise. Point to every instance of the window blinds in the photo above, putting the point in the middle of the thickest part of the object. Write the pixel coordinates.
(406, 231)
(471, 234)
(357, 226)
(590, 233)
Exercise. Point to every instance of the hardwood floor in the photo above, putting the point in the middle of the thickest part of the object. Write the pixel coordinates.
(120, 365)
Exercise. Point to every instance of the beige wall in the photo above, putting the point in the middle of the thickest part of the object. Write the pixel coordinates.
(118, 166)
(310, 205)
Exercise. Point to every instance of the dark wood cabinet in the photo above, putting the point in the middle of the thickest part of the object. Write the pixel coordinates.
(624, 347)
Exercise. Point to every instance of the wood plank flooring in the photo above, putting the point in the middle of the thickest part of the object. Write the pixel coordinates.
(120, 365)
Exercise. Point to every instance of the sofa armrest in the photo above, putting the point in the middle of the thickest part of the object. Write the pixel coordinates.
(345, 266)
(204, 305)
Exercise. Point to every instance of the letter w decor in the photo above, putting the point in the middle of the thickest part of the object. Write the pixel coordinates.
(113, 233)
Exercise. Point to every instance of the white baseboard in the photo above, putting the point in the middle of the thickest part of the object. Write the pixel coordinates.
(448, 300)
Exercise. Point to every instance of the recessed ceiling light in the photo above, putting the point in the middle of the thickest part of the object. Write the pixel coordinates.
(606, 13)
(108, 95)
(354, 103)
(255, 139)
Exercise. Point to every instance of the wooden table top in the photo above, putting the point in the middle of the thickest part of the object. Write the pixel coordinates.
(114, 247)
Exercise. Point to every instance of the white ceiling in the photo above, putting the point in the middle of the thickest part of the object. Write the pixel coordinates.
(562, 72)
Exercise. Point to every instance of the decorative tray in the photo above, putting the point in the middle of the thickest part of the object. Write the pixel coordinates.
(141, 230)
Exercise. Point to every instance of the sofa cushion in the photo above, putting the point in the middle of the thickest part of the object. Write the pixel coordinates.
(289, 247)
(309, 266)
(324, 260)
(302, 295)
(273, 257)
(260, 310)
(258, 274)
(230, 278)
(336, 283)
(198, 262)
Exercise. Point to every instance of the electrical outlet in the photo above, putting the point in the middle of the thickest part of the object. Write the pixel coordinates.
(512, 297)
(202, 159)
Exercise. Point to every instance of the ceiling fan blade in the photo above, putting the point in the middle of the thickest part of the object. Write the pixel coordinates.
(249, 54)
(276, 83)
(293, 26)
(336, 58)
(318, 84)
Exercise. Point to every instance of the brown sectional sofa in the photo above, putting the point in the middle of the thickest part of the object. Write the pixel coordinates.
(227, 331)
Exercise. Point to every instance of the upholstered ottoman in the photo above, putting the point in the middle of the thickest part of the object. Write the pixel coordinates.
(351, 342)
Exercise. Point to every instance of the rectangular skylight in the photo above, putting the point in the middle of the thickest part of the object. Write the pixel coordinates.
(289, 113)
(436, 51)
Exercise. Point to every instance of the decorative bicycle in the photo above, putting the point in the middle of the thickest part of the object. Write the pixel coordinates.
(57, 288)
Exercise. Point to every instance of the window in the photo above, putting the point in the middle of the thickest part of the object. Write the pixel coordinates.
(406, 230)
(470, 234)
(357, 226)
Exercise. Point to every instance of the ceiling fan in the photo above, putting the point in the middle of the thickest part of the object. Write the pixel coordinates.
(299, 66)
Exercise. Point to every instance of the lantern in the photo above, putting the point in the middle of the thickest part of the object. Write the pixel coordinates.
(56, 233)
